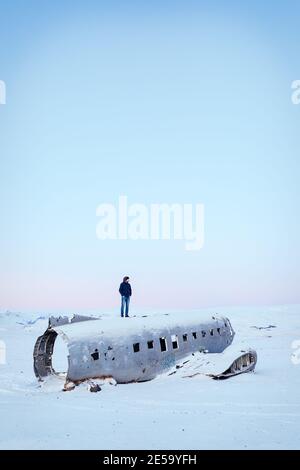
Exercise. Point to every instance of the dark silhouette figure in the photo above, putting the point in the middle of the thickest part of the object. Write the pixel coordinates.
(125, 291)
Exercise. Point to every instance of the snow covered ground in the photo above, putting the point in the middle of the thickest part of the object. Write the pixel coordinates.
(258, 410)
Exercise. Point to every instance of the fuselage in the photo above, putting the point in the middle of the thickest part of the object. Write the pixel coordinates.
(140, 348)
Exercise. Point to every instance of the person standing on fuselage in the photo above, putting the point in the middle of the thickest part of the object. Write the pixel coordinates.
(125, 291)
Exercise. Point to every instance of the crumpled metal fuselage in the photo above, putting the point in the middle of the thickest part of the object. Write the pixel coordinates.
(130, 350)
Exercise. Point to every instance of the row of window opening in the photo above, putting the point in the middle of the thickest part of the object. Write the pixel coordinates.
(174, 340)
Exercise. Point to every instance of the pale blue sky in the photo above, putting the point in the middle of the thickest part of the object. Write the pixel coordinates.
(183, 101)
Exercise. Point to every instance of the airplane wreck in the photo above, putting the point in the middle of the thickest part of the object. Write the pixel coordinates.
(140, 348)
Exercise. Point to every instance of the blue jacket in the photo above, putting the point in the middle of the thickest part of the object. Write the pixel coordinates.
(125, 289)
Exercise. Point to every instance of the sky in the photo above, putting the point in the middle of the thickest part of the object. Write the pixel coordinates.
(184, 102)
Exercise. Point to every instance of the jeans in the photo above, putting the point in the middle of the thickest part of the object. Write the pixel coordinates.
(125, 303)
